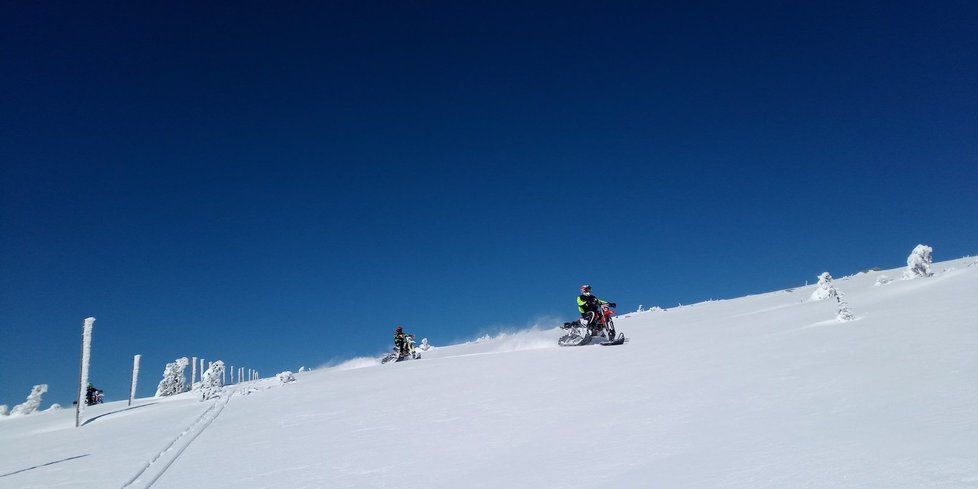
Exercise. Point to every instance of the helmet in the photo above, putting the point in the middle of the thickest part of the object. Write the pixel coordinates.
(399, 329)
(585, 289)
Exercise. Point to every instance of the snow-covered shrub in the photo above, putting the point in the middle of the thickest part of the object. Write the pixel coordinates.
(825, 288)
(882, 280)
(844, 313)
(212, 381)
(424, 344)
(4, 410)
(302, 369)
(32, 403)
(54, 407)
(286, 377)
(173, 381)
(918, 263)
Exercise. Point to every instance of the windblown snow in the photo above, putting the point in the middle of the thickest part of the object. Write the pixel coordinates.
(770, 390)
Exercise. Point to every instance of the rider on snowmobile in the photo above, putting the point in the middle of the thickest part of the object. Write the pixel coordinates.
(586, 302)
(92, 395)
(400, 341)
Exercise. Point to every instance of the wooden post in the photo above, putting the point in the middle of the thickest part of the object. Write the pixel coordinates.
(86, 353)
(135, 377)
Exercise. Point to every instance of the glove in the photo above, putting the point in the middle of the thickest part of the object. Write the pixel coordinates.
(612, 304)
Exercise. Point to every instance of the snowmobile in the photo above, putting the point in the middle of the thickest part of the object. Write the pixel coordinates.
(93, 396)
(397, 355)
(582, 331)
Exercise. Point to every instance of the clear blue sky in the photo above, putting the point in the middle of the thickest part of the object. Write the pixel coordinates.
(280, 185)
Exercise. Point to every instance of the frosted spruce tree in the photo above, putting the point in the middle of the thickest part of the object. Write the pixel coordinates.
(32, 403)
(825, 288)
(4, 410)
(844, 313)
(173, 381)
(212, 381)
(918, 263)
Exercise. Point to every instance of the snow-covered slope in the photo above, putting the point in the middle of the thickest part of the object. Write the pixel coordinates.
(762, 391)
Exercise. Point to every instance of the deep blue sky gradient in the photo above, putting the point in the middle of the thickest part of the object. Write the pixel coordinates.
(279, 185)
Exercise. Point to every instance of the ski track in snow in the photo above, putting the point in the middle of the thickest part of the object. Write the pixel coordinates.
(155, 468)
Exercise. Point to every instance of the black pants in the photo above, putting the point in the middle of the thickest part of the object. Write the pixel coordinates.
(594, 318)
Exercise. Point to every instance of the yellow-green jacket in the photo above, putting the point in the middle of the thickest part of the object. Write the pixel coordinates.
(583, 301)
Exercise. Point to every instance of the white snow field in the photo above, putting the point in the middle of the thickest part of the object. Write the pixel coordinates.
(763, 391)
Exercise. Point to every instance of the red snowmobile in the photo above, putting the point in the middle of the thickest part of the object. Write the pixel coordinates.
(582, 331)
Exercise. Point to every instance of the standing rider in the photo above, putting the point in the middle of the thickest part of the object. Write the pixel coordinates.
(400, 342)
(587, 303)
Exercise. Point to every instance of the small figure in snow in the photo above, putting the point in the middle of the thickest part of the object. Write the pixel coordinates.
(588, 303)
(93, 396)
(401, 342)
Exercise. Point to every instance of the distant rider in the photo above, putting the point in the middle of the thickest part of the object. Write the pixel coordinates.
(586, 303)
(93, 396)
(401, 342)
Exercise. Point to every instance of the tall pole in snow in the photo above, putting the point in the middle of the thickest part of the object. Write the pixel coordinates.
(201, 369)
(193, 372)
(135, 377)
(86, 354)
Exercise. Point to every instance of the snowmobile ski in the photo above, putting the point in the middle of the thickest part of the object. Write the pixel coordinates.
(393, 357)
(620, 340)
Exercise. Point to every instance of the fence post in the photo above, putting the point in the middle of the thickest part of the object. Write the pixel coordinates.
(135, 377)
(86, 354)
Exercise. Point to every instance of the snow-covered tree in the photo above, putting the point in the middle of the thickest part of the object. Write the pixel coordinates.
(825, 288)
(4, 410)
(173, 381)
(286, 377)
(424, 344)
(212, 381)
(302, 369)
(918, 263)
(32, 403)
(844, 313)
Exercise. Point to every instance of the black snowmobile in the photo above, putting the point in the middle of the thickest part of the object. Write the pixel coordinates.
(397, 355)
(582, 331)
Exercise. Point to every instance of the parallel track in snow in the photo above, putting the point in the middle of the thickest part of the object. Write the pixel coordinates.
(151, 472)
